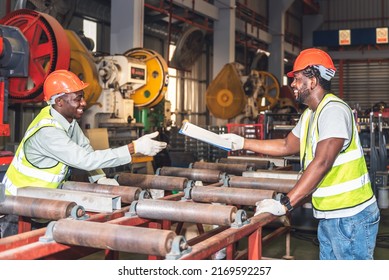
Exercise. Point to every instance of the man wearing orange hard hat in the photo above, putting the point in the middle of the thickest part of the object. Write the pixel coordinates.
(54, 143)
(333, 167)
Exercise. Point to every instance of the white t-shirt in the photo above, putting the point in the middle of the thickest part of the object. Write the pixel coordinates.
(335, 121)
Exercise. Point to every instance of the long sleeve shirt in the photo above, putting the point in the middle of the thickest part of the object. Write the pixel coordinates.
(50, 145)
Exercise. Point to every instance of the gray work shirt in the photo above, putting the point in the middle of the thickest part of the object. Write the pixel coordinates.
(71, 147)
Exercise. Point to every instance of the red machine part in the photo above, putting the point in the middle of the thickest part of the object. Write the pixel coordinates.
(1, 45)
(4, 128)
(49, 51)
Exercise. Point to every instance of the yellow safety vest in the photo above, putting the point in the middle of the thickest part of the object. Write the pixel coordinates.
(22, 173)
(347, 183)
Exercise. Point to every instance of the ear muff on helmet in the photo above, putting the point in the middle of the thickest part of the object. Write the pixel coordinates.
(62, 81)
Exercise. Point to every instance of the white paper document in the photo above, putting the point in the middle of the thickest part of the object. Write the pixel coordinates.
(204, 135)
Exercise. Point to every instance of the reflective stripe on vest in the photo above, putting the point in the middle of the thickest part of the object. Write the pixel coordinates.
(22, 173)
(347, 183)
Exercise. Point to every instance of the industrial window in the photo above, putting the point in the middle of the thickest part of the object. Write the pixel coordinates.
(90, 31)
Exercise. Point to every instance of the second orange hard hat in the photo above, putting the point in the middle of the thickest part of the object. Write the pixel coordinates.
(62, 81)
(312, 57)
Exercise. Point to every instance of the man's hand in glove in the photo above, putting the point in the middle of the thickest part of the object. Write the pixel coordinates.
(147, 146)
(237, 141)
(107, 181)
(270, 206)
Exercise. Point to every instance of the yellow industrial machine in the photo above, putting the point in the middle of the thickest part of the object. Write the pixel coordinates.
(137, 78)
(235, 96)
(83, 65)
(231, 94)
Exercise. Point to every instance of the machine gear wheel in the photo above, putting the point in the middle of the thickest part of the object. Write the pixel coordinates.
(49, 50)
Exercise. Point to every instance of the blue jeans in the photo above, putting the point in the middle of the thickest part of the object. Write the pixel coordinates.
(350, 238)
(8, 225)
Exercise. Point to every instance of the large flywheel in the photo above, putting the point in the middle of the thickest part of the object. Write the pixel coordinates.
(49, 51)
(155, 88)
(225, 96)
(269, 91)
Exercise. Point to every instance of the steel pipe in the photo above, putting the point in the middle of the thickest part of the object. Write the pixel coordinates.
(278, 185)
(42, 208)
(195, 174)
(235, 196)
(130, 239)
(186, 212)
(146, 181)
(127, 194)
(233, 168)
(255, 164)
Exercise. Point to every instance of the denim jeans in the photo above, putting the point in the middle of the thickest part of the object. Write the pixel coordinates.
(350, 238)
(8, 225)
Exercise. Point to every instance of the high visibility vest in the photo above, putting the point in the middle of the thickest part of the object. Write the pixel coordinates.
(347, 184)
(22, 173)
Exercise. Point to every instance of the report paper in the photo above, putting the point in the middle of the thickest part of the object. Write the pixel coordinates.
(204, 135)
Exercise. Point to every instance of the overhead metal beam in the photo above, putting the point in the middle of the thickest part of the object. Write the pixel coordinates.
(201, 7)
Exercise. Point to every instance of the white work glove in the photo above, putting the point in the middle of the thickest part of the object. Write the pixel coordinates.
(147, 146)
(270, 206)
(237, 141)
(107, 181)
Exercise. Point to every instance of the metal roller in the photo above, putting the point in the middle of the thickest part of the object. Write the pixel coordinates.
(195, 174)
(42, 208)
(145, 181)
(233, 169)
(190, 212)
(254, 164)
(127, 194)
(130, 239)
(278, 185)
(274, 174)
(236, 196)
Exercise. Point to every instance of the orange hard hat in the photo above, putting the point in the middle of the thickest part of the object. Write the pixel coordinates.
(312, 57)
(62, 81)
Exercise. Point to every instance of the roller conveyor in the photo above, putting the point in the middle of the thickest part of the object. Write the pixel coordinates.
(26, 245)
(41, 208)
(278, 185)
(232, 169)
(235, 196)
(127, 194)
(195, 174)
(110, 236)
(191, 212)
(145, 181)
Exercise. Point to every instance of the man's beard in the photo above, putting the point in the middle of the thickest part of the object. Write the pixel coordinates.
(302, 96)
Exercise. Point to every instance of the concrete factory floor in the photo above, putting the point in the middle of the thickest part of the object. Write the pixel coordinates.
(303, 242)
